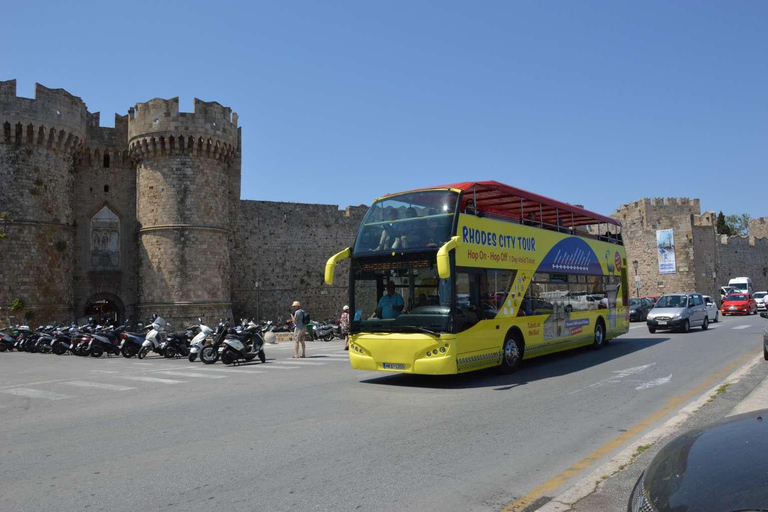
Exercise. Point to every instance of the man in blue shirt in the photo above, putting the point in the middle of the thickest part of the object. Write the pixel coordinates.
(391, 304)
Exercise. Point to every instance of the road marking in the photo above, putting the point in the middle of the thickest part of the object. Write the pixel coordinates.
(36, 393)
(104, 371)
(302, 362)
(550, 486)
(655, 382)
(143, 364)
(620, 374)
(192, 374)
(154, 380)
(635, 326)
(209, 369)
(98, 385)
(741, 327)
(272, 366)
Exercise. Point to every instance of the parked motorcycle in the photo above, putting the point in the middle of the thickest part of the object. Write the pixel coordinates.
(177, 343)
(155, 337)
(210, 353)
(196, 345)
(244, 346)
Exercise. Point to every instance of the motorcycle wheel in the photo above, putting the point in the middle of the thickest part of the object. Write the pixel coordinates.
(96, 352)
(143, 351)
(328, 337)
(128, 352)
(2, 348)
(262, 356)
(228, 357)
(32, 348)
(170, 352)
(59, 349)
(209, 354)
(45, 349)
(192, 357)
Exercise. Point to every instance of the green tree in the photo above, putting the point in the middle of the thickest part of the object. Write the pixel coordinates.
(721, 226)
(738, 223)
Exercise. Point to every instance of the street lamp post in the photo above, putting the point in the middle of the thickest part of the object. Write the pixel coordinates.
(258, 305)
(635, 264)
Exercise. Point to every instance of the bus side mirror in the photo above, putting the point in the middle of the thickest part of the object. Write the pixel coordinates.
(330, 266)
(443, 258)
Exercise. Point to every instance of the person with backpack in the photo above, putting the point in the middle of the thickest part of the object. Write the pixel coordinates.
(299, 330)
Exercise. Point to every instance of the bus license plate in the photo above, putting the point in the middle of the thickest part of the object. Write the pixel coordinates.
(394, 366)
(662, 322)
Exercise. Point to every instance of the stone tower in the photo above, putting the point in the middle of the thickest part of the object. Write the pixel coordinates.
(39, 140)
(185, 164)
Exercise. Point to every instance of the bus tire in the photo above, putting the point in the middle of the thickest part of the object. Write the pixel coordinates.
(599, 340)
(512, 352)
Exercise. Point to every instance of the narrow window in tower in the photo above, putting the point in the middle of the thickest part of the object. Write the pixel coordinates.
(106, 188)
(106, 160)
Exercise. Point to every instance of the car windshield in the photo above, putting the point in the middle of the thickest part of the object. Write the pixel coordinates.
(760, 295)
(736, 297)
(672, 301)
(633, 303)
(407, 222)
(740, 287)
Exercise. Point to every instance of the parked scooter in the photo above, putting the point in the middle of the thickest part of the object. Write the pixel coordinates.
(324, 331)
(196, 345)
(245, 346)
(62, 340)
(7, 341)
(105, 340)
(155, 337)
(177, 343)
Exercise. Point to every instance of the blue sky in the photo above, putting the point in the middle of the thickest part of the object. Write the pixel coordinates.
(597, 103)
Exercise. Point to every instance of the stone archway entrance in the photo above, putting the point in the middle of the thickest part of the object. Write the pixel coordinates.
(105, 308)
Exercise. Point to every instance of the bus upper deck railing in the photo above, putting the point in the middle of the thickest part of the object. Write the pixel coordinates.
(613, 238)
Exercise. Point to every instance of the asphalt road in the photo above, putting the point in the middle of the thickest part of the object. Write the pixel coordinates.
(116, 434)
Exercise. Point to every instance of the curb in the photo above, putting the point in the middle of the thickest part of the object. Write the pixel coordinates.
(590, 483)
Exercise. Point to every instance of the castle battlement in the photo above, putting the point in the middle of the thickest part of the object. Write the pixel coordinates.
(659, 206)
(54, 118)
(157, 128)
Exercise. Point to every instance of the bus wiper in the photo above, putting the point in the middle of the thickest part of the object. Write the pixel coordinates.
(416, 328)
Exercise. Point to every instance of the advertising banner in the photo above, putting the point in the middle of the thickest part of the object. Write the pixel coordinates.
(665, 245)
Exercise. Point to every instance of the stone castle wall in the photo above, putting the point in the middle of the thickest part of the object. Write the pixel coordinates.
(105, 177)
(758, 228)
(38, 142)
(284, 246)
(183, 183)
(744, 256)
(640, 220)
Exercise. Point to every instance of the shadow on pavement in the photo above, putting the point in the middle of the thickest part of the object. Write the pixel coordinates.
(552, 365)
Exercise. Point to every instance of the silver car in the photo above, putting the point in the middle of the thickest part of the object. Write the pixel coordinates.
(760, 300)
(678, 312)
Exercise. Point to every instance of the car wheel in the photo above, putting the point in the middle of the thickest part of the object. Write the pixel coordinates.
(512, 354)
(652, 330)
(705, 325)
(686, 326)
(765, 352)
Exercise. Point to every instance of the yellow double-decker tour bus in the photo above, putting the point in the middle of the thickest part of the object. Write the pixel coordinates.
(472, 275)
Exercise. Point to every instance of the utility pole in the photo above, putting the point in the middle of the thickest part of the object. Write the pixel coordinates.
(635, 264)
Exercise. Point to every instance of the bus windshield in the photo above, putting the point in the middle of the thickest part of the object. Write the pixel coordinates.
(407, 222)
(400, 296)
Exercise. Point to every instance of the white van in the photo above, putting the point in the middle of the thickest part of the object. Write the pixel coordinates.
(742, 284)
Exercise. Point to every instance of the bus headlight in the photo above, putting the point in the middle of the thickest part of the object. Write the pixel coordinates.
(429, 353)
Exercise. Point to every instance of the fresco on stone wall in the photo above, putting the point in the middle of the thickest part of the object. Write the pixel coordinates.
(105, 240)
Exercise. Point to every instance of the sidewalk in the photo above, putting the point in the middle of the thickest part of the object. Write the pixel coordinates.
(608, 488)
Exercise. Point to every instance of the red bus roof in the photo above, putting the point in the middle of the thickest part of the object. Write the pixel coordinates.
(495, 197)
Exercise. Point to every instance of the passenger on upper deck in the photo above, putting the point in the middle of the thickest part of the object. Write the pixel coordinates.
(408, 234)
(390, 233)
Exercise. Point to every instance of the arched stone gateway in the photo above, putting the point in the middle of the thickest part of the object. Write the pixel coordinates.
(105, 306)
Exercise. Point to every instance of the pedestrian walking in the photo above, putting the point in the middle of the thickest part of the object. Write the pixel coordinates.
(345, 326)
(299, 330)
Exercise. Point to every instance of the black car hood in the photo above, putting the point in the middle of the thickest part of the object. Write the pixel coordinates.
(722, 467)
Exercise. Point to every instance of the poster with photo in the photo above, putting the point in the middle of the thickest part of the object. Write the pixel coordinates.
(665, 246)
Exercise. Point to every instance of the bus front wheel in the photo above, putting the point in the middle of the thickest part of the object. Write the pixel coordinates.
(512, 354)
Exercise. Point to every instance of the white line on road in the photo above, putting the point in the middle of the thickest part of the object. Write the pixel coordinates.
(154, 380)
(143, 364)
(192, 374)
(655, 382)
(302, 362)
(104, 371)
(36, 393)
(741, 327)
(272, 366)
(98, 385)
(620, 374)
